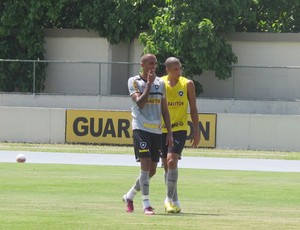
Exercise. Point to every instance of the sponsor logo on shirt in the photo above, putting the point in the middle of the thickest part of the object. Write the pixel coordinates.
(152, 126)
(175, 103)
(177, 124)
(153, 101)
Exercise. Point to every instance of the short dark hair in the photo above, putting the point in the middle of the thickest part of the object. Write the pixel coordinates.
(145, 57)
(171, 61)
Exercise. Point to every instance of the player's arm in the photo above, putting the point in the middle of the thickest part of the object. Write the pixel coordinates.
(167, 121)
(194, 112)
(142, 98)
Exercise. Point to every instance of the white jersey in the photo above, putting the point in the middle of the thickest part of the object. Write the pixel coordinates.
(149, 117)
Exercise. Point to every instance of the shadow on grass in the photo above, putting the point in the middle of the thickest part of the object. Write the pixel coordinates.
(187, 214)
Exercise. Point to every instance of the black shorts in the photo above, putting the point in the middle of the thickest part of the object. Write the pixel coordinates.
(146, 144)
(179, 138)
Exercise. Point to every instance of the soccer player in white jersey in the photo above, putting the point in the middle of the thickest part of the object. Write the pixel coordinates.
(147, 92)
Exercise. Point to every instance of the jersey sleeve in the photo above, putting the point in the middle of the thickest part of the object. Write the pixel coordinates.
(132, 86)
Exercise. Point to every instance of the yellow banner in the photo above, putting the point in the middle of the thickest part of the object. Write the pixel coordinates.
(114, 127)
(207, 127)
(98, 126)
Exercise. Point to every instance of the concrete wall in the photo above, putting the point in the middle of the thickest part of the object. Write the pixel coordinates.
(66, 101)
(252, 49)
(234, 131)
(95, 76)
(205, 105)
(258, 132)
(259, 50)
(267, 123)
(71, 77)
(35, 125)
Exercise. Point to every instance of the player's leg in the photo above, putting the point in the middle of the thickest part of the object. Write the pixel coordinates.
(171, 180)
(174, 154)
(145, 181)
(154, 149)
(164, 153)
(133, 191)
(149, 156)
(141, 149)
(136, 187)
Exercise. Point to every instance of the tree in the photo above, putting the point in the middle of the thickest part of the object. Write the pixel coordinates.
(22, 38)
(279, 16)
(193, 30)
(119, 20)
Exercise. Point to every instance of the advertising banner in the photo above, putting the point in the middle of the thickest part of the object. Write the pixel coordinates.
(114, 127)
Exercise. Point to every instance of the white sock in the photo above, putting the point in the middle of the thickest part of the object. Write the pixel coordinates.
(168, 200)
(176, 203)
(131, 193)
(146, 202)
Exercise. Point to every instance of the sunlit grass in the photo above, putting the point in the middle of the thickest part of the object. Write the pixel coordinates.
(41, 196)
(116, 149)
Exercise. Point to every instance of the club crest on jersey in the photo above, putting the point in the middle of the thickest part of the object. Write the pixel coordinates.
(143, 145)
(156, 86)
(180, 93)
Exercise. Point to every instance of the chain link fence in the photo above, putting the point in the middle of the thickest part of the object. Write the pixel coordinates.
(110, 78)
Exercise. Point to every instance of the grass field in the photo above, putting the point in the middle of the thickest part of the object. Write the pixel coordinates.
(199, 152)
(44, 196)
(38, 196)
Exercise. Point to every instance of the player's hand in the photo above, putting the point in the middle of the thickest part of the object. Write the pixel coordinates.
(151, 76)
(169, 140)
(195, 139)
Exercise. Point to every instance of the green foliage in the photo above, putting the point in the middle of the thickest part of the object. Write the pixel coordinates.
(21, 38)
(22, 24)
(278, 16)
(193, 30)
(118, 21)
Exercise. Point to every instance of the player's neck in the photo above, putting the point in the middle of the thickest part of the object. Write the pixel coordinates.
(143, 76)
(173, 80)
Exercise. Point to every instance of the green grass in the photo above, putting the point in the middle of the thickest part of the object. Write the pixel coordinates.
(41, 196)
(199, 152)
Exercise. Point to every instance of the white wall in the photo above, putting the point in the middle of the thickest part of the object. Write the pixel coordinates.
(252, 49)
(259, 49)
(66, 101)
(258, 132)
(205, 105)
(243, 124)
(234, 131)
(71, 78)
(35, 125)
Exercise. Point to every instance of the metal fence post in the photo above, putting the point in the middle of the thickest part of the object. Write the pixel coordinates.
(33, 86)
(233, 82)
(100, 79)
